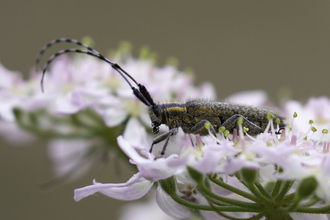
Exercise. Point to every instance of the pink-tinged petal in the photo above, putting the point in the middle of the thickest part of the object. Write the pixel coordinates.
(169, 206)
(129, 150)
(6, 109)
(236, 164)
(156, 170)
(326, 165)
(38, 101)
(9, 78)
(320, 106)
(207, 163)
(175, 161)
(128, 193)
(133, 189)
(135, 133)
(114, 116)
(150, 169)
(266, 173)
(70, 104)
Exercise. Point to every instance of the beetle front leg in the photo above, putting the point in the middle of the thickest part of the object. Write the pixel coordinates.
(163, 137)
(231, 123)
(200, 126)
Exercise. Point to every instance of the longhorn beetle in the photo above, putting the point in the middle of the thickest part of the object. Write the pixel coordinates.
(190, 115)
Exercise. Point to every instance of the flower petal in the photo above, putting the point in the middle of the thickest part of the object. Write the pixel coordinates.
(133, 189)
(169, 206)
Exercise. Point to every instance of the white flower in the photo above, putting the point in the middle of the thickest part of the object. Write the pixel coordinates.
(316, 109)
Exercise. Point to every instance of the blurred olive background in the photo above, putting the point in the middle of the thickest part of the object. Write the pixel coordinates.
(237, 45)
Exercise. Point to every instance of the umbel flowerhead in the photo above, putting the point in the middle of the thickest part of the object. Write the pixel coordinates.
(272, 176)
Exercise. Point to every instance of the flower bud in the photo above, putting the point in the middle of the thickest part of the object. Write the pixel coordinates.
(306, 187)
(249, 175)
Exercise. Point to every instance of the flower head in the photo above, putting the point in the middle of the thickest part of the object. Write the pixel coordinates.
(217, 173)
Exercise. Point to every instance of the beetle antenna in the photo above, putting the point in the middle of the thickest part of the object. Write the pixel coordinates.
(142, 93)
(61, 40)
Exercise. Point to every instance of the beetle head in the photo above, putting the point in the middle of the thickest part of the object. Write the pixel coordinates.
(157, 117)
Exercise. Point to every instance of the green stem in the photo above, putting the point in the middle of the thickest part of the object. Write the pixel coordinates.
(215, 201)
(322, 210)
(260, 215)
(289, 198)
(234, 190)
(284, 190)
(277, 188)
(311, 202)
(248, 205)
(262, 190)
(258, 194)
(292, 207)
(208, 208)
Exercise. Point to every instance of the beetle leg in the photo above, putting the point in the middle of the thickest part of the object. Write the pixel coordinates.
(163, 137)
(232, 123)
(197, 128)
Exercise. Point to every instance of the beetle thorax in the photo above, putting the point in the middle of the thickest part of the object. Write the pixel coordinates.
(170, 114)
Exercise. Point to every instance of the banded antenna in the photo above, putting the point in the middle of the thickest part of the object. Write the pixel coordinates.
(142, 94)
